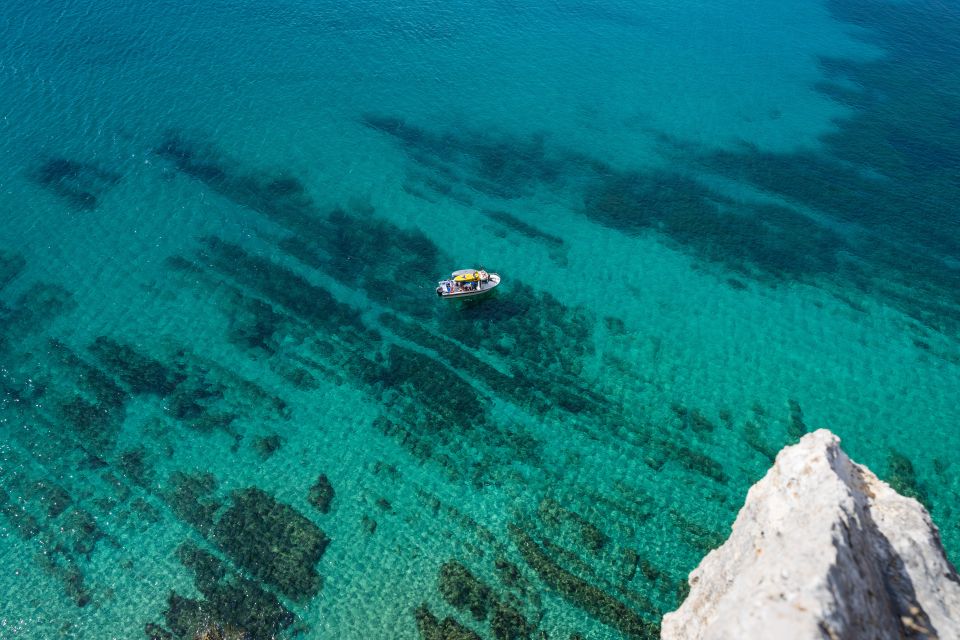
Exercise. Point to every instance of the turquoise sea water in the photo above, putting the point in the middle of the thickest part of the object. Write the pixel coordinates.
(719, 225)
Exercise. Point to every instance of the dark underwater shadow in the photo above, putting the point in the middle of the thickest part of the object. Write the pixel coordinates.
(889, 168)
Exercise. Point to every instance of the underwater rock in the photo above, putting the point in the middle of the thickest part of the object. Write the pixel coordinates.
(593, 538)
(516, 224)
(596, 602)
(903, 478)
(93, 425)
(190, 497)
(54, 497)
(252, 323)
(431, 628)
(185, 616)
(141, 373)
(36, 308)
(629, 561)
(267, 446)
(696, 535)
(190, 401)
(149, 515)
(134, 465)
(289, 292)
(508, 572)
(554, 514)
(233, 607)
(753, 437)
(509, 624)
(222, 632)
(299, 377)
(81, 184)
(87, 377)
(321, 494)
(229, 607)
(80, 528)
(698, 462)
(692, 418)
(273, 541)
(823, 548)
(464, 591)
(206, 568)
(796, 427)
(11, 265)
(74, 584)
(441, 398)
(57, 563)
(156, 632)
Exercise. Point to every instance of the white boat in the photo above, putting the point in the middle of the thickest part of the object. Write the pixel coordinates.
(467, 282)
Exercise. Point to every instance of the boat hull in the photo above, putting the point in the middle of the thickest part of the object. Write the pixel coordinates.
(485, 287)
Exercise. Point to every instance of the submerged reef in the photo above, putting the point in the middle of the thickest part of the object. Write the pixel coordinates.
(823, 548)
(139, 372)
(80, 184)
(321, 494)
(463, 394)
(428, 406)
(878, 164)
(231, 606)
(431, 628)
(272, 541)
(11, 265)
(595, 601)
(767, 241)
(463, 591)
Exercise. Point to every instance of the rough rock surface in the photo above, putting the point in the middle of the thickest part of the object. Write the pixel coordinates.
(823, 549)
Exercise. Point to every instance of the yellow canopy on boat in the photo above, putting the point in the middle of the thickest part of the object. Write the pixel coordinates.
(467, 277)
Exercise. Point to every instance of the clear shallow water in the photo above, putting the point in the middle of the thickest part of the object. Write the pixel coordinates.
(719, 226)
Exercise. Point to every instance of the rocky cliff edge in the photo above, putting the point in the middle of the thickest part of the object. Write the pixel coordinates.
(822, 548)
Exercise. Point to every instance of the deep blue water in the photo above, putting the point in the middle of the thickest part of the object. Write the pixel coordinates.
(229, 395)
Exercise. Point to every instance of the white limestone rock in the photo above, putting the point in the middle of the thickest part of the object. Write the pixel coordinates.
(822, 548)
